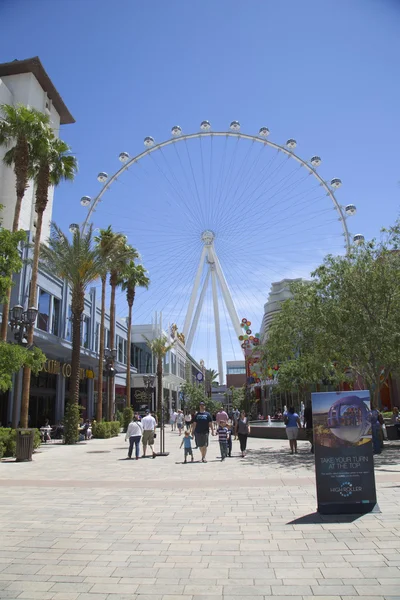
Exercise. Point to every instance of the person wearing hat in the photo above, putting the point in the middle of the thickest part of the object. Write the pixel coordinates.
(202, 425)
(149, 427)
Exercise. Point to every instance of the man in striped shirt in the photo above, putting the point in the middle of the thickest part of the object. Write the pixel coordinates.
(222, 432)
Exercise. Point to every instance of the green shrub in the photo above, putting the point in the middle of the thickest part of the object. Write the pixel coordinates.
(106, 429)
(115, 427)
(127, 417)
(71, 423)
(101, 430)
(38, 440)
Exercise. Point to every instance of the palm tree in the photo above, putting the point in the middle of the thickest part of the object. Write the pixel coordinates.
(50, 164)
(134, 276)
(20, 126)
(108, 242)
(79, 263)
(159, 348)
(211, 378)
(122, 254)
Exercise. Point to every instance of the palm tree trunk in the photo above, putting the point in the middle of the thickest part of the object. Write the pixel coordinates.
(111, 395)
(26, 386)
(128, 357)
(99, 411)
(21, 177)
(77, 311)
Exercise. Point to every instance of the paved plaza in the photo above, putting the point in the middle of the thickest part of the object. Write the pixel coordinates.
(83, 523)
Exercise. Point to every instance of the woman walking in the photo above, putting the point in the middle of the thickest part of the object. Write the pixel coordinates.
(292, 422)
(134, 434)
(242, 431)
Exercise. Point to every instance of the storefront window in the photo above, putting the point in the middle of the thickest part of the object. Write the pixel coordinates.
(44, 310)
(120, 342)
(68, 334)
(173, 363)
(97, 338)
(56, 316)
(86, 331)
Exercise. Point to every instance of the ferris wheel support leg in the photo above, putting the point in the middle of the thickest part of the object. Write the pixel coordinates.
(197, 313)
(217, 326)
(194, 293)
(227, 297)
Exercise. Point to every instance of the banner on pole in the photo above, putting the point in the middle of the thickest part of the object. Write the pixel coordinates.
(344, 464)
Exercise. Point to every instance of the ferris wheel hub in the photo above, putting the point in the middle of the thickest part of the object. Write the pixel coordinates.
(207, 237)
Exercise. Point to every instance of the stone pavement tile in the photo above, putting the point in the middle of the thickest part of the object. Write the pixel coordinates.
(34, 586)
(389, 581)
(57, 570)
(247, 573)
(226, 581)
(9, 595)
(101, 580)
(143, 572)
(92, 596)
(203, 572)
(342, 572)
(246, 590)
(65, 596)
(13, 577)
(298, 573)
(97, 571)
(378, 590)
(288, 590)
(66, 579)
(71, 587)
(330, 590)
(37, 595)
(22, 569)
(381, 572)
(113, 588)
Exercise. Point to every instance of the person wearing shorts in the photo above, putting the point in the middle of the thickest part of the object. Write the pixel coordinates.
(292, 422)
(202, 425)
(187, 444)
(149, 426)
(180, 421)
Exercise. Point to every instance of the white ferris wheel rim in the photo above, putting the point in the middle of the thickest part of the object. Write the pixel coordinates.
(234, 134)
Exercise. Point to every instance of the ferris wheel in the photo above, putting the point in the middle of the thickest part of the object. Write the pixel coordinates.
(217, 216)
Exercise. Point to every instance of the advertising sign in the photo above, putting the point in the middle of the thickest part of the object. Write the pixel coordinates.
(344, 463)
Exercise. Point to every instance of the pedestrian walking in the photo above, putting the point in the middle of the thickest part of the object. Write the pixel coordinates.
(187, 445)
(180, 421)
(149, 430)
(376, 426)
(308, 424)
(242, 431)
(230, 434)
(221, 416)
(133, 434)
(292, 422)
(188, 421)
(202, 424)
(222, 432)
(172, 420)
(235, 418)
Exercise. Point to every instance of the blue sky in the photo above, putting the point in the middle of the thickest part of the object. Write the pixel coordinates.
(325, 73)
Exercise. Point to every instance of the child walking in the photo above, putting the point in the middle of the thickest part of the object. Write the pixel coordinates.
(187, 444)
(222, 432)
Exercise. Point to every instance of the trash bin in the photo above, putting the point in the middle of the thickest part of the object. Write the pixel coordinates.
(24, 449)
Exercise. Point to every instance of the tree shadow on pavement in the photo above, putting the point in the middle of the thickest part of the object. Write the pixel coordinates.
(274, 458)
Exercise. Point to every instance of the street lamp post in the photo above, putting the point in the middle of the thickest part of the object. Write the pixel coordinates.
(109, 357)
(20, 322)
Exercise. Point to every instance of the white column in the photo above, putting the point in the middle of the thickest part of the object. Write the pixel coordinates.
(194, 293)
(197, 313)
(217, 324)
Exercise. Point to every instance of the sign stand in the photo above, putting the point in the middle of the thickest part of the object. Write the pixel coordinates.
(344, 464)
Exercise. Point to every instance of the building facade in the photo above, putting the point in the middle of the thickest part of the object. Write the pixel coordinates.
(53, 335)
(26, 82)
(178, 366)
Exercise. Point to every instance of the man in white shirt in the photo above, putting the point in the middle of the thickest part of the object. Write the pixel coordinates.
(149, 427)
